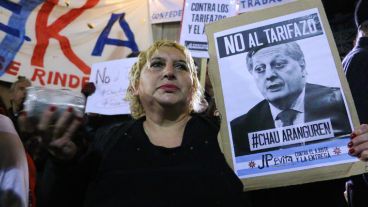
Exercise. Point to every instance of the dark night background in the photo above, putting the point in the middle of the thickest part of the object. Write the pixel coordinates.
(340, 14)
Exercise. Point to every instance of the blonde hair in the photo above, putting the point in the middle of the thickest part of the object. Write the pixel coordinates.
(136, 107)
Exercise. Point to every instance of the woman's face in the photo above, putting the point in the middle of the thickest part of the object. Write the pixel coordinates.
(165, 80)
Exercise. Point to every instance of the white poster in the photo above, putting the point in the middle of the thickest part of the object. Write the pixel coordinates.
(198, 13)
(55, 44)
(286, 105)
(111, 80)
(162, 11)
(284, 110)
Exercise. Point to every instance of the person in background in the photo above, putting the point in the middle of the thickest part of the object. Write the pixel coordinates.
(3, 110)
(167, 156)
(355, 65)
(32, 147)
(14, 183)
(358, 147)
(17, 97)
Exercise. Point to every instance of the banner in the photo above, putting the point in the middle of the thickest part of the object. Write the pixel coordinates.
(54, 42)
(162, 11)
(198, 13)
(252, 5)
(288, 109)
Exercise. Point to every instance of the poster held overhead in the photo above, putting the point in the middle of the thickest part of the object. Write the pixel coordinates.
(286, 106)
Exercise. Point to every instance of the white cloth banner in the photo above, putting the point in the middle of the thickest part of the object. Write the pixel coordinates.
(198, 13)
(165, 11)
(55, 44)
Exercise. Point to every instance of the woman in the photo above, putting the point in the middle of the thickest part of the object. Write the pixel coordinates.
(168, 156)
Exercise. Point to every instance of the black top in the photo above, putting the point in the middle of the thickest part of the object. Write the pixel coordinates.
(356, 68)
(135, 172)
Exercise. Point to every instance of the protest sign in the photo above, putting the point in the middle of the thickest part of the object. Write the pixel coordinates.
(198, 13)
(165, 11)
(54, 43)
(111, 79)
(279, 84)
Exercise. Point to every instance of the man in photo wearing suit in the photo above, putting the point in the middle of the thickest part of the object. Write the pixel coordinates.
(280, 75)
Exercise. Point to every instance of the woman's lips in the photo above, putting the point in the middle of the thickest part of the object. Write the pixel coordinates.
(169, 87)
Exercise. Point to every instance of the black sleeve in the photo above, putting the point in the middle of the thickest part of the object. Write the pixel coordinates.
(233, 187)
(64, 183)
(61, 184)
(359, 190)
(357, 76)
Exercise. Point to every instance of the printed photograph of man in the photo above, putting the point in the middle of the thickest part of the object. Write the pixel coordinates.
(280, 74)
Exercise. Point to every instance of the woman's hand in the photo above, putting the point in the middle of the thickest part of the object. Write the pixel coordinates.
(358, 146)
(55, 133)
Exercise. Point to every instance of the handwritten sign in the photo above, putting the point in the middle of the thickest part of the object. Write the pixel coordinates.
(111, 79)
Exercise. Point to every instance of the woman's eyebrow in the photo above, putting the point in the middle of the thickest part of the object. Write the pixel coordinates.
(181, 61)
(163, 59)
(157, 58)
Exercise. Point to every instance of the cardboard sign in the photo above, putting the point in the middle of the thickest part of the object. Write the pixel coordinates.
(279, 84)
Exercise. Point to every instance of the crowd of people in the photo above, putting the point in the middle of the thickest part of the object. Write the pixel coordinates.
(166, 152)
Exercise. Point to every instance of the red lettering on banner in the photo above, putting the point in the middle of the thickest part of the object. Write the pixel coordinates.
(56, 78)
(44, 32)
(38, 75)
(85, 80)
(49, 79)
(61, 77)
(13, 68)
(73, 81)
